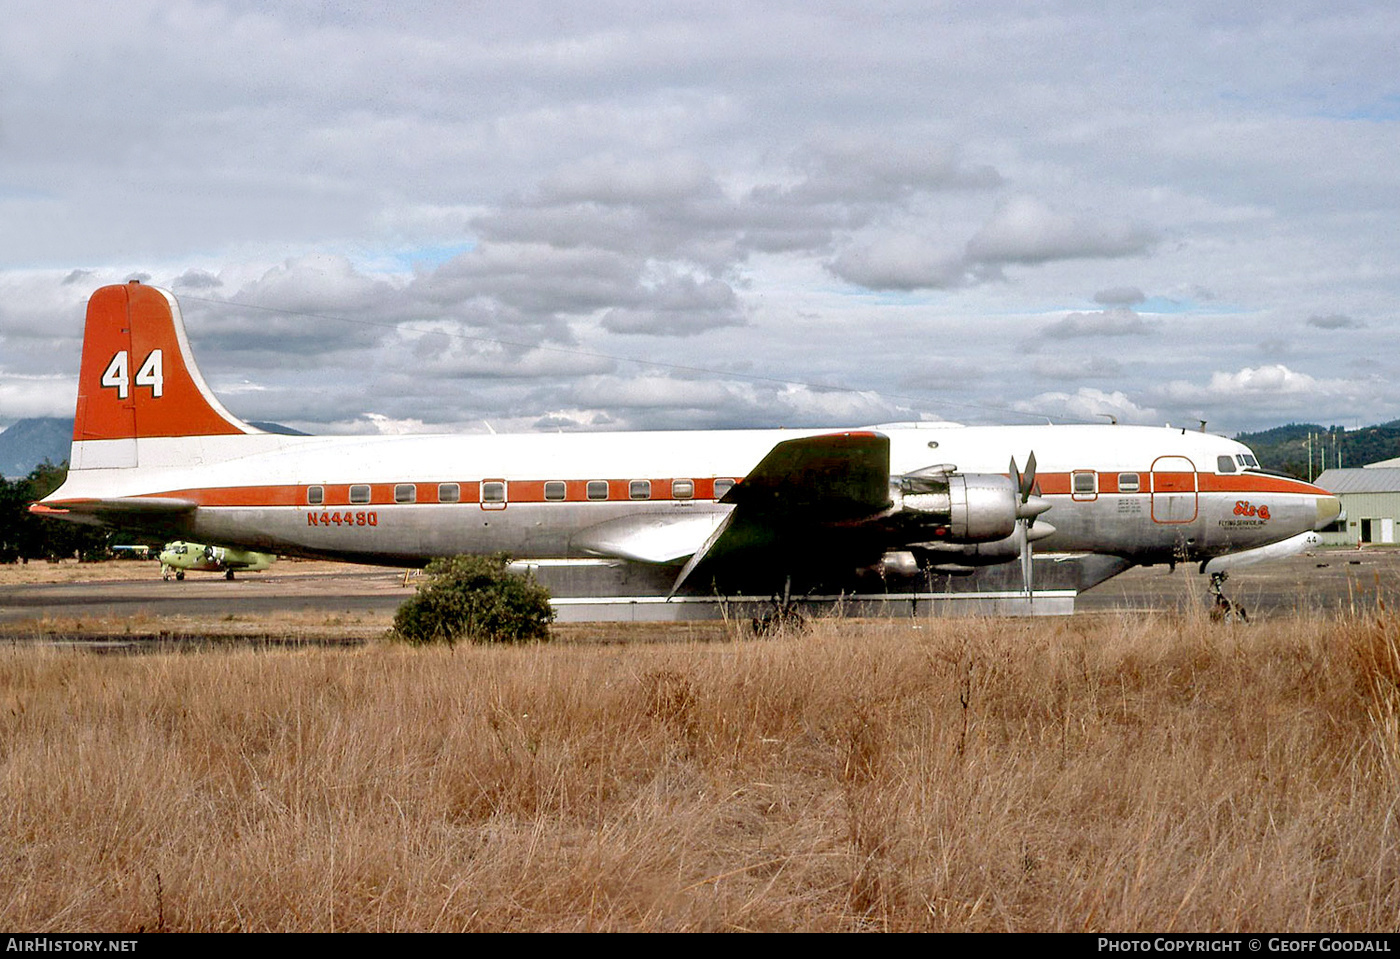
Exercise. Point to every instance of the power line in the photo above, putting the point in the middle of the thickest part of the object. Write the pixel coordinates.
(613, 357)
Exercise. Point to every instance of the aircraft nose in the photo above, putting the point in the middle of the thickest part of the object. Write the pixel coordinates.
(1328, 509)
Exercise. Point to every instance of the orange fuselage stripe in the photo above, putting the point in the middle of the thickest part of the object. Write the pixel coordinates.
(576, 491)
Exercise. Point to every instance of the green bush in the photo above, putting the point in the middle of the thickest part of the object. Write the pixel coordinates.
(477, 599)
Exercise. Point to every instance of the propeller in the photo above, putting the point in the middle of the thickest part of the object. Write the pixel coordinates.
(1029, 507)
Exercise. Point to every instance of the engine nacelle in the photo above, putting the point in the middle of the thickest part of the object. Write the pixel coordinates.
(993, 553)
(913, 562)
(958, 507)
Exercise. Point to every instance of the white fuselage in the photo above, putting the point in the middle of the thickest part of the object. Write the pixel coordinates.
(1147, 494)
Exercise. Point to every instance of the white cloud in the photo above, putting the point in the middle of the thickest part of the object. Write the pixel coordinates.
(1120, 296)
(901, 263)
(24, 396)
(1336, 321)
(388, 426)
(1026, 230)
(1077, 367)
(1088, 404)
(704, 187)
(620, 181)
(1252, 382)
(1119, 321)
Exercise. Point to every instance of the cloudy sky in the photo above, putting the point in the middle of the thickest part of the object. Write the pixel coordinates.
(424, 216)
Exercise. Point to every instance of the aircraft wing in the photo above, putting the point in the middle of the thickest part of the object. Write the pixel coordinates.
(802, 487)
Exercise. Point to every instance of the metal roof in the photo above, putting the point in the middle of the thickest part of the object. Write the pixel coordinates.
(1368, 479)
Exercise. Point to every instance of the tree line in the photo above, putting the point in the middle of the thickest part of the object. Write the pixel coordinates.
(1306, 449)
(24, 536)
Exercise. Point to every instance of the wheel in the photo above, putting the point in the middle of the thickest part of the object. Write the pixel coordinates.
(179, 574)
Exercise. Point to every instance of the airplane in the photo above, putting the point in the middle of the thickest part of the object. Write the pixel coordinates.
(917, 510)
(178, 556)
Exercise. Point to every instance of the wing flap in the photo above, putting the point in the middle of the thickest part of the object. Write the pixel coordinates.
(650, 538)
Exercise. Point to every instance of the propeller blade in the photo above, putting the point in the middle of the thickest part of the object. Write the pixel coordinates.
(1023, 528)
(1015, 474)
(1027, 482)
(1026, 513)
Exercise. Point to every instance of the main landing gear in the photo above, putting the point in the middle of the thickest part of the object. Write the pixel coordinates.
(785, 615)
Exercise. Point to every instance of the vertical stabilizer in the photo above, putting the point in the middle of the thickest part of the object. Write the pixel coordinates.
(139, 380)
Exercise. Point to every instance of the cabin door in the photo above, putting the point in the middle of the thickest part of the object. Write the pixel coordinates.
(1174, 490)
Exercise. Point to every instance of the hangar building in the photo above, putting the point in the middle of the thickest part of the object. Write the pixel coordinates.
(1370, 497)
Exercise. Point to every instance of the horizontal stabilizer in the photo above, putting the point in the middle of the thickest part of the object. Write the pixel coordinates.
(154, 514)
(126, 505)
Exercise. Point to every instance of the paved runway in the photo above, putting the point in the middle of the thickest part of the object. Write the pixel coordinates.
(1327, 580)
(136, 589)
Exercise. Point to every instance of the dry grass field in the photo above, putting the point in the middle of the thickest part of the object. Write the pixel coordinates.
(1112, 772)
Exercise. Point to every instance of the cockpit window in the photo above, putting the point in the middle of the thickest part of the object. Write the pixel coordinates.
(1248, 461)
(1224, 464)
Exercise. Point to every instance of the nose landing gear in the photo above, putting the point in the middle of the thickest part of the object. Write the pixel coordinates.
(1223, 609)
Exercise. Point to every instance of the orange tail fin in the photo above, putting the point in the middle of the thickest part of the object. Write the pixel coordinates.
(138, 378)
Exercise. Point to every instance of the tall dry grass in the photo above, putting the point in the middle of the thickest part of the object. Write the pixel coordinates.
(1093, 773)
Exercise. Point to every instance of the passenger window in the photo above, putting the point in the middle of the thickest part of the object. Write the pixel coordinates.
(1085, 483)
(493, 492)
(682, 489)
(554, 490)
(639, 489)
(405, 493)
(359, 494)
(449, 493)
(1128, 483)
(597, 489)
(723, 486)
(1224, 464)
(315, 495)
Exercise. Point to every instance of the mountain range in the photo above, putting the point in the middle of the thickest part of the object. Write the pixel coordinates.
(27, 443)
